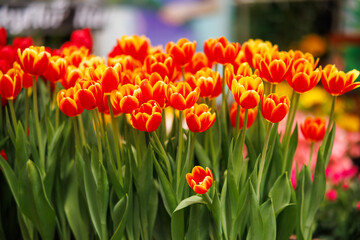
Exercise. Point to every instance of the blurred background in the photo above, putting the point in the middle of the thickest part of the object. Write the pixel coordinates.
(329, 29)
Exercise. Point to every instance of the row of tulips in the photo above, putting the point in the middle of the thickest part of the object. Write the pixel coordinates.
(116, 162)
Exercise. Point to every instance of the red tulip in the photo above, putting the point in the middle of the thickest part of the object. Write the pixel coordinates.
(154, 89)
(89, 94)
(68, 104)
(180, 95)
(10, 84)
(247, 90)
(147, 117)
(251, 116)
(182, 51)
(200, 180)
(275, 108)
(199, 118)
(3, 36)
(220, 50)
(34, 60)
(126, 98)
(208, 81)
(313, 129)
(110, 79)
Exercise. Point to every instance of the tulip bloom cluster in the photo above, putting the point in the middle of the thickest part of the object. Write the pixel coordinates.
(143, 86)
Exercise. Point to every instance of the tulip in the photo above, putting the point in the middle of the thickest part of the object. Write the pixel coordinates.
(275, 108)
(199, 118)
(89, 94)
(147, 117)
(331, 195)
(75, 55)
(3, 36)
(154, 89)
(313, 129)
(126, 98)
(34, 60)
(135, 46)
(10, 84)
(251, 116)
(22, 43)
(220, 50)
(68, 104)
(200, 180)
(198, 62)
(72, 76)
(56, 69)
(242, 69)
(110, 80)
(275, 68)
(208, 81)
(3, 154)
(255, 49)
(180, 95)
(247, 90)
(161, 63)
(182, 51)
(82, 37)
(303, 77)
(336, 82)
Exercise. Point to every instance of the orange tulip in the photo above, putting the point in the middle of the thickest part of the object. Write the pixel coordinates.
(127, 62)
(68, 104)
(208, 81)
(135, 46)
(251, 116)
(147, 117)
(182, 51)
(275, 108)
(303, 77)
(56, 69)
(110, 79)
(275, 67)
(27, 79)
(89, 93)
(313, 129)
(243, 69)
(255, 49)
(10, 84)
(198, 62)
(247, 90)
(337, 82)
(180, 95)
(296, 55)
(34, 60)
(72, 76)
(126, 98)
(75, 55)
(199, 118)
(220, 50)
(161, 63)
(200, 180)
(154, 88)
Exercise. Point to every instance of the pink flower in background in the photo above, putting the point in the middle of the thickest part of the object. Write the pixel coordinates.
(358, 205)
(331, 195)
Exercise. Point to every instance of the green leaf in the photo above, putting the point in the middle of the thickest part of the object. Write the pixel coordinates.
(269, 221)
(195, 199)
(286, 222)
(225, 216)
(256, 222)
(177, 225)
(9, 128)
(167, 193)
(121, 211)
(21, 154)
(326, 147)
(34, 202)
(215, 210)
(280, 193)
(201, 155)
(75, 217)
(11, 179)
(292, 148)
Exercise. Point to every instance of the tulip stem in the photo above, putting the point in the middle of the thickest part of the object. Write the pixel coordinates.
(207, 199)
(12, 113)
(166, 158)
(97, 130)
(311, 153)
(273, 88)
(81, 130)
(180, 149)
(237, 130)
(37, 125)
(262, 160)
(116, 139)
(26, 123)
(241, 135)
(183, 73)
(289, 123)
(331, 119)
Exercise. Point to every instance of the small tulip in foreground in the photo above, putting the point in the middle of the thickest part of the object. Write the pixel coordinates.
(313, 129)
(147, 117)
(199, 118)
(200, 180)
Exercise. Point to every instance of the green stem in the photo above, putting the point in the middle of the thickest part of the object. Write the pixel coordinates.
(291, 116)
(216, 67)
(183, 73)
(207, 199)
(116, 139)
(12, 113)
(223, 84)
(76, 133)
(237, 130)
(98, 137)
(273, 88)
(82, 131)
(26, 123)
(242, 136)
(331, 119)
(179, 150)
(166, 158)
(37, 125)
(262, 160)
(1, 116)
(311, 153)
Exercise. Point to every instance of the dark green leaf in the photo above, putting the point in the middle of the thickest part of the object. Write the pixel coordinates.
(269, 221)
(195, 199)
(121, 211)
(286, 222)
(280, 193)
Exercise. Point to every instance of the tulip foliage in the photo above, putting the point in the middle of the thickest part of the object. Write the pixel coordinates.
(138, 146)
